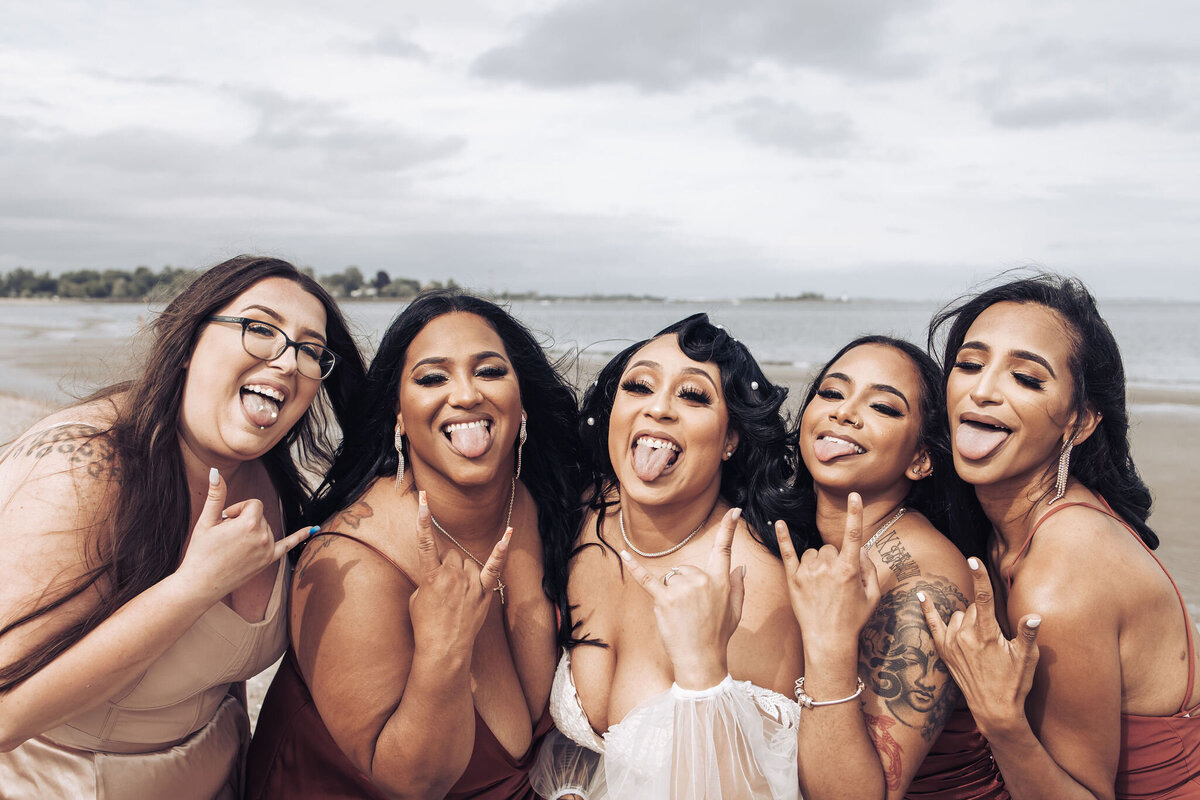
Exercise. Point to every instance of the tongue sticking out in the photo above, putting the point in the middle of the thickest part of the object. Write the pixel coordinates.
(471, 442)
(827, 449)
(262, 411)
(649, 462)
(978, 441)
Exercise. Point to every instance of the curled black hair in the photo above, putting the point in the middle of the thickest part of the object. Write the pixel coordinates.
(549, 468)
(930, 495)
(756, 478)
(1102, 462)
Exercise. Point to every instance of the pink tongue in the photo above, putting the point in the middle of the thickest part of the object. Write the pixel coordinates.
(262, 411)
(829, 449)
(649, 462)
(471, 442)
(976, 442)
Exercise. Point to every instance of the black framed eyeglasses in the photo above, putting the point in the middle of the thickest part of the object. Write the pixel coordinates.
(264, 340)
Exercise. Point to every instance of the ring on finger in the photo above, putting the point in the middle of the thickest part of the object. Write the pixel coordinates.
(673, 571)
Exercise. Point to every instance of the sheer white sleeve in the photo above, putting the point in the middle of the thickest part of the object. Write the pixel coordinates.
(733, 740)
(566, 770)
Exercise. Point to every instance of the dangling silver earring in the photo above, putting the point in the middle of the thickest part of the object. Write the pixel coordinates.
(521, 437)
(399, 457)
(1064, 467)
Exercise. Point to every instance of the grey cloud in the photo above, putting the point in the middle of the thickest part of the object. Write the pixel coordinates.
(790, 127)
(288, 124)
(1052, 83)
(665, 45)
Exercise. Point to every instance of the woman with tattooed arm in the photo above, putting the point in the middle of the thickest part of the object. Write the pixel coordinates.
(873, 442)
(142, 533)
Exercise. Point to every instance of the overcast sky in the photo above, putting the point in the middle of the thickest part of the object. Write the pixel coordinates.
(679, 147)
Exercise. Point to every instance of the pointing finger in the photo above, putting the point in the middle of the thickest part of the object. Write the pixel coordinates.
(718, 558)
(647, 581)
(787, 550)
(985, 613)
(427, 547)
(852, 541)
(489, 577)
(288, 542)
(937, 628)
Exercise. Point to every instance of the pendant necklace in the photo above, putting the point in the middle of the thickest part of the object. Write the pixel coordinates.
(508, 519)
(883, 529)
(661, 553)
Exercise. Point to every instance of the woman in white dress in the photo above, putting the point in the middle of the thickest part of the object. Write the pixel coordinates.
(682, 650)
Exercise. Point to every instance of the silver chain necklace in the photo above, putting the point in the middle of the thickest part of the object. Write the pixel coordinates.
(668, 551)
(507, 520)
(884, 529)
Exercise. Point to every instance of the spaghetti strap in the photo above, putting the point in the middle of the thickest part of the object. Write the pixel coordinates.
(1187, 618)
(373, 549)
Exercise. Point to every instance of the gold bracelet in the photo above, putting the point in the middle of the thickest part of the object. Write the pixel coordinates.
(804, 699)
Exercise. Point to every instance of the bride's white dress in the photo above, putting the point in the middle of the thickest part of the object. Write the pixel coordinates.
(733, 740)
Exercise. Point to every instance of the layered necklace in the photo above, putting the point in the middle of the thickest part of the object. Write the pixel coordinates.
(661, 553)
(883, 529)
(512, 495)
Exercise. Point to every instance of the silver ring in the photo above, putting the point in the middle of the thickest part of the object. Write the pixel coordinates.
(670, 573)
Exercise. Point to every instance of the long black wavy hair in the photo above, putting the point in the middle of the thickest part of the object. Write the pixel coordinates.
(930, 495)
(549, 468)
(149, 522)
(755, 478)
(1102, 462)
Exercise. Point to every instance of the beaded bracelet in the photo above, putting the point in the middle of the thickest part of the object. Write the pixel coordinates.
(803, 698)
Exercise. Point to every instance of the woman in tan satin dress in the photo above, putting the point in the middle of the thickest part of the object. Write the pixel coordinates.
(142, 536)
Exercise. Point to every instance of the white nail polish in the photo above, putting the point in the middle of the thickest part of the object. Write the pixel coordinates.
(214, 477)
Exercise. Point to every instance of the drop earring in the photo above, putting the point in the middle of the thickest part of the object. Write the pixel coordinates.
(399, 457)
(521, 437)
(1064, 469)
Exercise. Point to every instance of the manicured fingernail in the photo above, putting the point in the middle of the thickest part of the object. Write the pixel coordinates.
(921, 596)
(1033, 622)
(314, 530)
(743, 570)
(625, 556)
(421, 497)
(507, 534)
(737, 514)
(973, 563)
(214, 477)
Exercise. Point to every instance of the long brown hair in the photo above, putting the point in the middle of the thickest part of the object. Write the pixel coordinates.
(149, 519)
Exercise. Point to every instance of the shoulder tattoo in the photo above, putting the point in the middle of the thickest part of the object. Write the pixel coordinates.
(309, 554)
(896, 556)
(890, 752)
(83, 446)
(353, 516)
(897, 659)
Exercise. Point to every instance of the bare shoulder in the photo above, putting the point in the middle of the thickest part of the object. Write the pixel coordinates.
(375, 519)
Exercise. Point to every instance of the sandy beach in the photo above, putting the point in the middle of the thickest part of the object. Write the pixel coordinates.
(1165, 434)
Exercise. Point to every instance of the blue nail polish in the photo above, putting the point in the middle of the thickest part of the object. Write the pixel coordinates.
(314, 530)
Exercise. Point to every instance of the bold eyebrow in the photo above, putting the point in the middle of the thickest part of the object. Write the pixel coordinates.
(275, 316)
(440, 360)
(878, 387)
(685, 370)
(1024, 355)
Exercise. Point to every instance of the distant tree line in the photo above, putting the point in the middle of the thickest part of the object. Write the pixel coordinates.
(145, 284)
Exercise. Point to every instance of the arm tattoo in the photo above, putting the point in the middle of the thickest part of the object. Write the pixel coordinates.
(898, 662)
(897, 558)
(310, 554)
(352, 517)
(82, 445)
(889, 749)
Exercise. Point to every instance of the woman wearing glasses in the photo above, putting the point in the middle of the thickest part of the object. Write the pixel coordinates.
(142, 531)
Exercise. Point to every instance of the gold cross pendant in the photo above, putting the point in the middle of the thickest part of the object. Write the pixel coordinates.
(500, 588)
